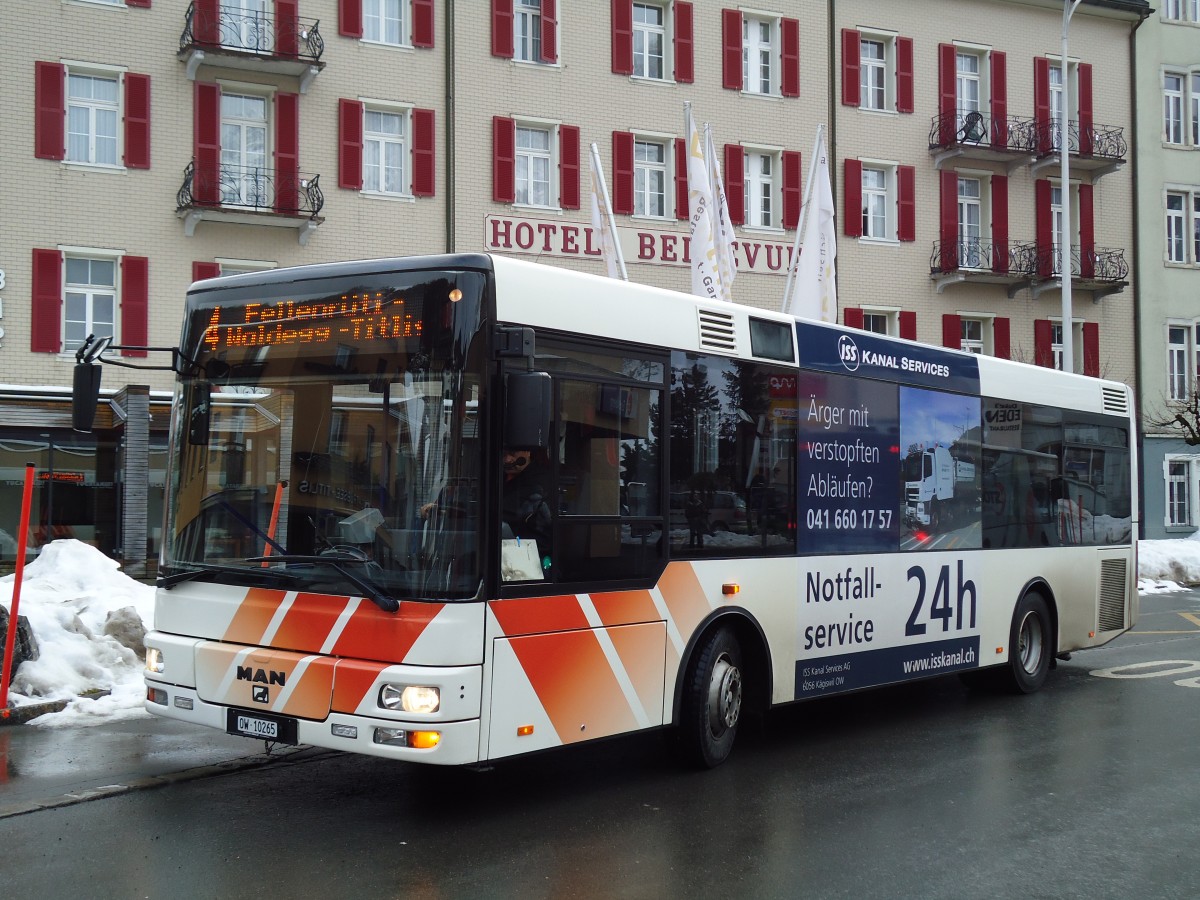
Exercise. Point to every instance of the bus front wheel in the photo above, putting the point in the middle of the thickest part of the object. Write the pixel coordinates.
(712, 700)
(1029, 647)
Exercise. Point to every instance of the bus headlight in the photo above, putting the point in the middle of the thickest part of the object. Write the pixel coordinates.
(154, 660)
(412, 698)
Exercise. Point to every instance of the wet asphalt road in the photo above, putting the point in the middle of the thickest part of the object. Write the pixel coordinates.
(1089, 789)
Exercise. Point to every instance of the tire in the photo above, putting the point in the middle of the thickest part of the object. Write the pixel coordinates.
(712, 701)
(1029, 646)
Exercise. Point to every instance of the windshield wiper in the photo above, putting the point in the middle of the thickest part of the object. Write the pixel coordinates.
(371, 591)
(274, 575)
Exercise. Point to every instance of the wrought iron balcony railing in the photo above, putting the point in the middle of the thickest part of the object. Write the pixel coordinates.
(977, 129)
(248, 188)
(262, 33)
(1100, 141)
(1102, 265)
(1009, 259)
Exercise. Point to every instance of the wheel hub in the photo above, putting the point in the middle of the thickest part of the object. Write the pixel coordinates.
(724, 696)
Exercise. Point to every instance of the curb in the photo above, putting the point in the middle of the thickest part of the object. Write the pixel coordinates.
(284, 756)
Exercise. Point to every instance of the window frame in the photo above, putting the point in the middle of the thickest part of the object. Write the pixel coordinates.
(527, 47)
(890, 195)
(403, 24)
(1056, 344)
(230, 90)
(663, 31)
(774, 183)
(642, 168)
(1174, 110)
(1181, 490)
(1181, 356)
(887, 316)
(405, 141)
(114, 74)
(526, 154)
(67, 346)
(1181, 226)
(771, 49)
(885, 66)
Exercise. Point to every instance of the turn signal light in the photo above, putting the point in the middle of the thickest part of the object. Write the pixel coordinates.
(424, 740)
(730, 589)
(524, 730)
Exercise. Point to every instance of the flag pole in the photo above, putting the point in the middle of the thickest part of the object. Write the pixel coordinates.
(804, 213)
(612, 223)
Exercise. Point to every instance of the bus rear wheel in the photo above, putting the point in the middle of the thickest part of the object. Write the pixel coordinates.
(712, 701)
(1029, 645)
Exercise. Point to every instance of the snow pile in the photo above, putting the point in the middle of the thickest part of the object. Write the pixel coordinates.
(70, 592)
(1164, 565)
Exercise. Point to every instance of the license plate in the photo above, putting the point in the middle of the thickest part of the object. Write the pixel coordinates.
(268, 728)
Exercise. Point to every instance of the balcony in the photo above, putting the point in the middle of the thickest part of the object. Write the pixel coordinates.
(1097, 149)
(1017, 265)
(256, 41)
(244, 195)
(973, 135)
(983, 262)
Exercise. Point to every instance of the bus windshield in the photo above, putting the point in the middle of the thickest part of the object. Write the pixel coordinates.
(331, 426)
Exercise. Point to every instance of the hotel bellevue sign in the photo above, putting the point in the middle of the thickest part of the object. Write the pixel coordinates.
(551, 237)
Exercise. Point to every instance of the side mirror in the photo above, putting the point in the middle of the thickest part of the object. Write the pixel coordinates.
(197, 401)
(527, 410)
(85, 394)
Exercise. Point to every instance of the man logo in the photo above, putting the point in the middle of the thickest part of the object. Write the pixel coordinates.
(260, 694)
(848, 352)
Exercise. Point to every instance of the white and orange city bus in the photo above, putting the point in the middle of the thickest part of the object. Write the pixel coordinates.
(738, 510)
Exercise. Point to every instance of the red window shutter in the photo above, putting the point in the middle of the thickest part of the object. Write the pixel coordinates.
(207, 131)
(568, 166)
(906, 203)
(731, 49)
(851, 63)
(1000, 223)
(143, 4)
(424, 148)
(735, 183)
(137, 121)
(948, 221)
(422, 26)
(1087, 232)
(287, 28)
(202, 270)
(789, 33)
(1043, 343)
(206, 26)
(852, 213)
(622, 37)
(908, 324)
(905, 92)
(350, 144)
(1085, 109)
(952, 331)
(549, 32)
(685, 38)
(287, 152)
(502, 28)
(45, 333)
(1041, 102)
(1091, 349)
(350, 18)
(1001, 341)
(681, 182)
(793, 196)
(135, 303)
(999, 88)
(504, 160)
(947, 95)
(1043, 226)
(852, 317)
(622, 142)
(49, 138)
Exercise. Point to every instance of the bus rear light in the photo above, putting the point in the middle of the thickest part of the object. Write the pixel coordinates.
(156, 695)
(524, 730)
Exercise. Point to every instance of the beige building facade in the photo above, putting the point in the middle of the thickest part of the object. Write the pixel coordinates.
(149, 144)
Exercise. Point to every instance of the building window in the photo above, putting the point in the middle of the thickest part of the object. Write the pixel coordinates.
(1183, 227)
(873, 74)
(1195, 107)
(1181, 10)
(527, 30)
(93, 114)
(533, 166)
(1173, 108)
(970, 219)
(762, 189)
(879, 322)
(1178, 376)
(244, 175)
(968, 85)
(876, 203)
(385, 151)
(650, 179)
(90, 300)
(245, 25)
(972, 335)
(1179, 482)
(649, 41)
(758, 49)
(383, 21)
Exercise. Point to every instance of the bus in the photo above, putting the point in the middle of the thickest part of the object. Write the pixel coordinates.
(720, 523)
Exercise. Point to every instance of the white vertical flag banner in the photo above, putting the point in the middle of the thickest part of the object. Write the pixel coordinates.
(706, 279)
(812, 293)
(603, 225)
(723, 234)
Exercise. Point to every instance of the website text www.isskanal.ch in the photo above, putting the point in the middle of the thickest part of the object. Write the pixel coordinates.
(939, 660)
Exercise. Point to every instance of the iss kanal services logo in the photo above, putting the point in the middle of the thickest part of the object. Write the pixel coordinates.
(848, 352)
